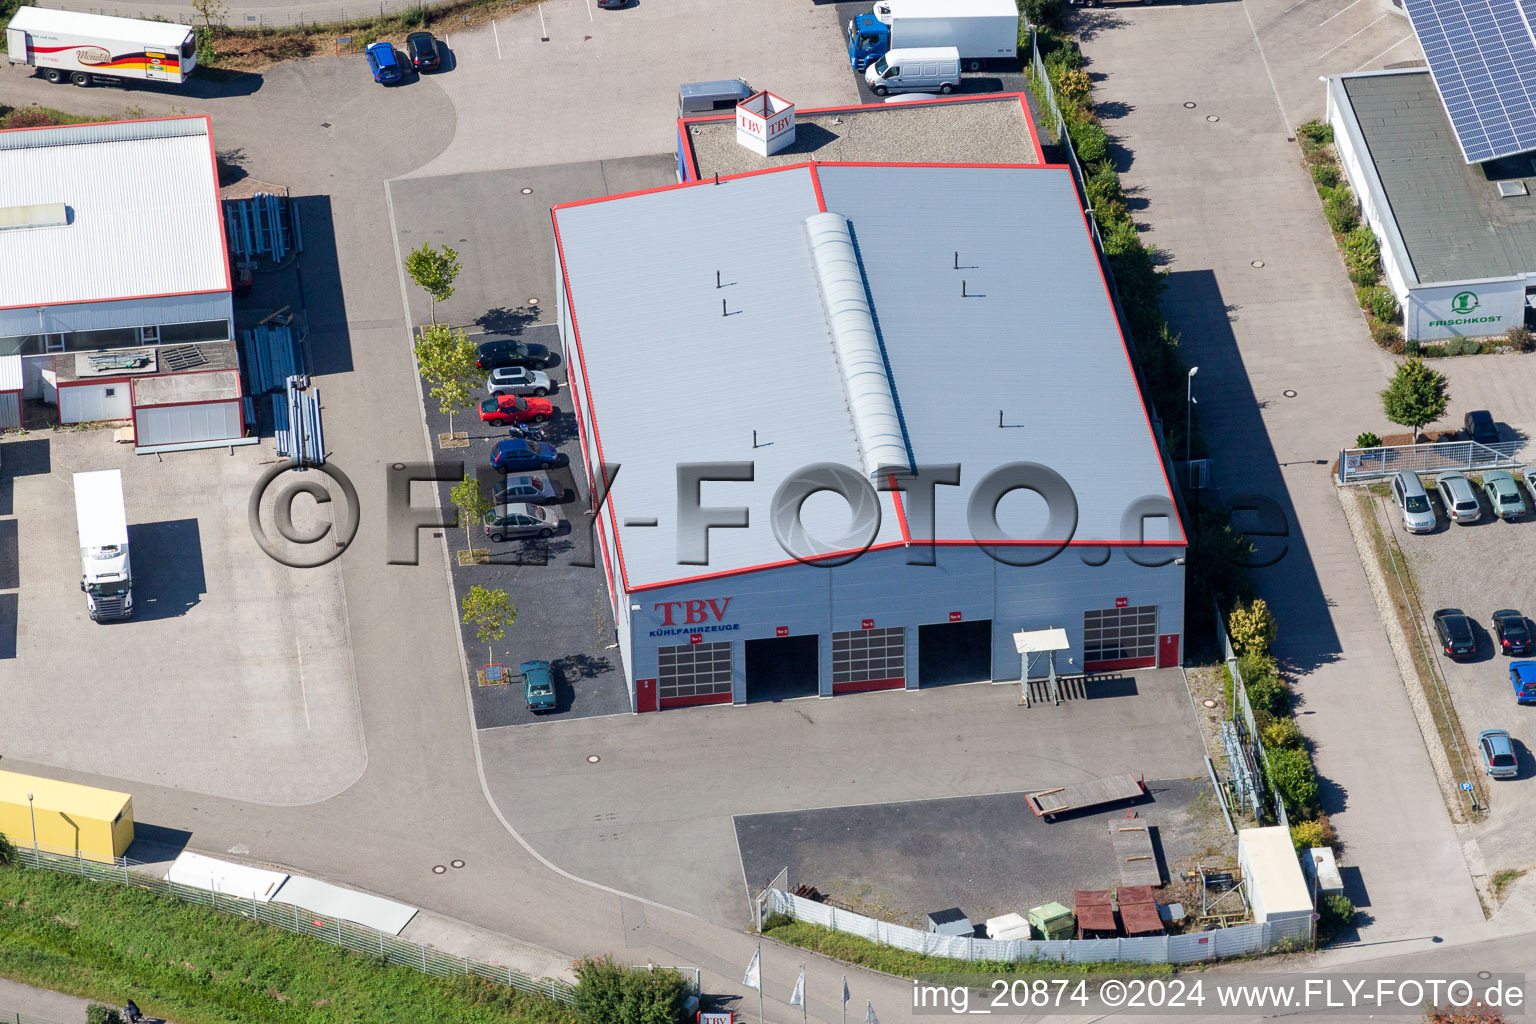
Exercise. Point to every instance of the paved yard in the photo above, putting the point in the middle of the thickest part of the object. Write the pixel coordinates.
(987, 855)
(234, 676)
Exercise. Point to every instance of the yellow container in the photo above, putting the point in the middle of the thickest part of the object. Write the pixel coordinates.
(83, 821)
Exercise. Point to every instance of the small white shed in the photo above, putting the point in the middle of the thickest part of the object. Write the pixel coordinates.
(1277, 889)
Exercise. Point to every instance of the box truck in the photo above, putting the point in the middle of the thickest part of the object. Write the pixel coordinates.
(65, 46)
(982, 30)
(106, 575)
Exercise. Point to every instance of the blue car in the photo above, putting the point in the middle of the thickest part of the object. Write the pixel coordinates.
(1522, 675)
(386, 67)
(517, 454)
(538, 686)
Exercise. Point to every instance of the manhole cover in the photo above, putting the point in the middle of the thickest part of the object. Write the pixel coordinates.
(527, 191)
(457, 863)
(533, 301)
(1257, 264)
(1189, 105)
(325, 124)
(1212, 118)
(1288, 393)
(1208, 703)
(593, 759)
(438, 869)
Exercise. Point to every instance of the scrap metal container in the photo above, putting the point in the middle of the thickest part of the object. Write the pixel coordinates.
(1053, 921)
(96, 824)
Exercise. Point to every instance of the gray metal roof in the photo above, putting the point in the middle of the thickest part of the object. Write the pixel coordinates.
(1454, 223)
(671, 377)
(143, 212)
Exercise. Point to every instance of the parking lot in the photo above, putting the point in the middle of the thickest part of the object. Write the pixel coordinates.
(234, 676)
(1478, 568)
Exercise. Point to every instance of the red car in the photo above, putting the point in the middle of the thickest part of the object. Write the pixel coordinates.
(515, 409)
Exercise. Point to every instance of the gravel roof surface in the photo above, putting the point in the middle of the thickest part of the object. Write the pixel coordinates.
(988, 131)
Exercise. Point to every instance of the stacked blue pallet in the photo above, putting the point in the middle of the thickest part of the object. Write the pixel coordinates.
(263, 225)
(300, 435)
(272, 355)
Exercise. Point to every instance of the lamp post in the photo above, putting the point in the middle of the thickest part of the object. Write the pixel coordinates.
(33, 815)
(1189, 405)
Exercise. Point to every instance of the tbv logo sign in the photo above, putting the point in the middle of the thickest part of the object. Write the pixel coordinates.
(694, 612)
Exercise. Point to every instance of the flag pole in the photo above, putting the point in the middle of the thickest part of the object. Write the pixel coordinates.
(845, 999)
(759, 981)
(804, 1013)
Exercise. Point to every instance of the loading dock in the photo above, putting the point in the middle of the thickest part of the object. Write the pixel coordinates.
(954, 652)
(782, 667)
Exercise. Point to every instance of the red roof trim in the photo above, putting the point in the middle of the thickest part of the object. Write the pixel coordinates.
(901, 513)
(122, 298)
(821, 201)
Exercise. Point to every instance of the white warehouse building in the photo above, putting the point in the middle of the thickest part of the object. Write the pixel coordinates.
(877, 322)
(116, 286)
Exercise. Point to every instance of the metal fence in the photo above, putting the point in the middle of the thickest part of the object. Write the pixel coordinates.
(1240, 700)
(7, 1017)
(303, 16)
(1241, 940)
(354, 938)
(1357, 465)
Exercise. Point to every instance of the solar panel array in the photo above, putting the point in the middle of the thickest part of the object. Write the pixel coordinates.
(1482, 54)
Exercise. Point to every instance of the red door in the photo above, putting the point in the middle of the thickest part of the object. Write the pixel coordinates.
(645, 695)
(1168, 650)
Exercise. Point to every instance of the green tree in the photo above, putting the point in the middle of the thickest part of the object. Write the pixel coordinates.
(7, 852)
(472, 504)
(1252, 627)
(490, 612)
(446, 358)
(435, 270)
(1293, 775)
(613, 993)
(210, 11)
(1416, 395)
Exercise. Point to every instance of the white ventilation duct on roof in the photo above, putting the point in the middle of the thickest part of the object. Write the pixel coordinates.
(882, 443)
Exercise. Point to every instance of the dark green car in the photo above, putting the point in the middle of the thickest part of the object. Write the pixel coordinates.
(1503, 494)
(538, 685)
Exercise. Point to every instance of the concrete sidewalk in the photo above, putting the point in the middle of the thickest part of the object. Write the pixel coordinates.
(41, 1005)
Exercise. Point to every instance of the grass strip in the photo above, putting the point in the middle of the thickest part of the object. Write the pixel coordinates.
(195, 966)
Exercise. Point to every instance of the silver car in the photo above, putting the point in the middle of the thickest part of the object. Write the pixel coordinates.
(1459, 498)
(535, 488)
(1413, 502)
(521, 520)
(1498, 754)
(518, 380)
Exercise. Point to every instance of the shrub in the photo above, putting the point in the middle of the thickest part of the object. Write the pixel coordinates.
(1283, 734)
(1293, 775)
(206, 54)
(1269, 695)
(1227, 686)
(612, 993)
(7, 851)
(1468, 347)
(1431, 351)
(1306, 835)
(1252, 627)
(1317, 158)
(1410, 347)
(1475, 1013)
(95, 1013)
(1073, 86)
(1386, 335)
(1335, 913)
(1066, 57)
(1042, 13)
(1521, 338)
(1341, 211)
(1315, 131)
(1362, 255)
(1090, 140)
(1255, 665)
(1367, 439)
(1378, 301)
(29, 117)
(1325, 174)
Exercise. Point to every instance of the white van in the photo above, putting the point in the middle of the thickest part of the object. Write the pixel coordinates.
(930, 69)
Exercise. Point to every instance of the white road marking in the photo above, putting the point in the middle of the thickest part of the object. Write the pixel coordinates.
(589, 11)
(1331, 17)
(1346, 39)
(304, 696)
(1293, 6)
(1383, 53)
(497, 35)
(1285, 121)
(544, 32)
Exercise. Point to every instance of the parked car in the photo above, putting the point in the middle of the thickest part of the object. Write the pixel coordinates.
(521, 520)
(516, 454)
(1412, 501)
(518, 380)
(1503, 494)
(1528, 474)
(421, 47)
(535, 488)
(1512, 631)
(538, 685)
(1479, 427)
(511, 352)
(612, 5)
(1457, 637)
(515, 409)
(1458, 497)
(1522, 676)
(1498, 753)
(385, 65)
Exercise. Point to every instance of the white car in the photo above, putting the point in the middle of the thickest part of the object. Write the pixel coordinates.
(518, 380)
(1459, 498)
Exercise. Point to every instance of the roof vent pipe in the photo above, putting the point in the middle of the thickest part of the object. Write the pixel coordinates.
(860, 361)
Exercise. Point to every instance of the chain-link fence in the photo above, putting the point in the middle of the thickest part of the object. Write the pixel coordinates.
(22, 1018)
(354, 938)
(302, 16)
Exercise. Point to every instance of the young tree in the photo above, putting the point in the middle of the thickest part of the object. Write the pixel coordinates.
(1252, 627)
(472, 504)
(210, 11)
(1416, 395)
(434, 270)
(446, 358)
(490, 612)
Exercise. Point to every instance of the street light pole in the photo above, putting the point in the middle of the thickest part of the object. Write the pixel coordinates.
(33, 815)
(1189, 405)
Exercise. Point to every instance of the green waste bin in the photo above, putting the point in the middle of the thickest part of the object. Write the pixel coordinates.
(1053, 921)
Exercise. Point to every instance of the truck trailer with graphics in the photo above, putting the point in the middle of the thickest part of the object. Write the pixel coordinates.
(65, 46)
(106, 575)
